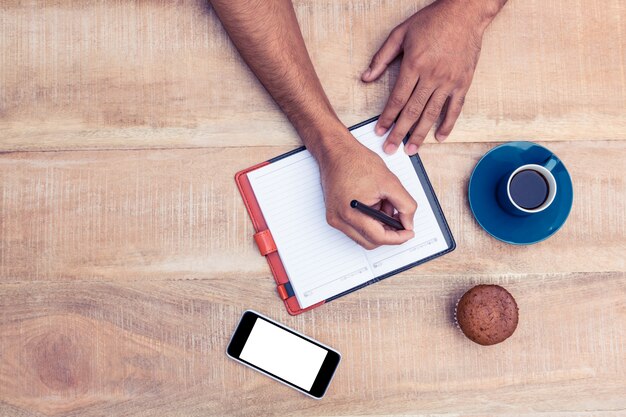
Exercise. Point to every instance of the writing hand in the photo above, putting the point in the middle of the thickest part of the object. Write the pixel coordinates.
(350, 171)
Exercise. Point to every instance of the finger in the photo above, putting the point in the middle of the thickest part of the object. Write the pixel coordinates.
(356, 236)
(373, 231)
(455, 104)
(387, 208)
(429, 117)
(386, 54)
(340, 224)
(400, 94)
(444, 111)
(402, 201)
(410, 113)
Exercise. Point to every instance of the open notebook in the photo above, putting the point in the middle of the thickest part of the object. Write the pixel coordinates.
(319, 261)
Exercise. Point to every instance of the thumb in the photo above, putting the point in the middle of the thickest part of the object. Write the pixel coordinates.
(388, 52)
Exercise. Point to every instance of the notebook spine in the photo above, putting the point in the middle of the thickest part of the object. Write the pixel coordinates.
(266, 244)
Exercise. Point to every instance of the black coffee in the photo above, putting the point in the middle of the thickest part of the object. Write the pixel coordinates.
(529, 189)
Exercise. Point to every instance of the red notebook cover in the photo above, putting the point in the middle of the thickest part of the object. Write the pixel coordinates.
(265, 242)
(267, 246)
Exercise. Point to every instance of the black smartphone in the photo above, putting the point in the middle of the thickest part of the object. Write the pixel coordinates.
(283, 354)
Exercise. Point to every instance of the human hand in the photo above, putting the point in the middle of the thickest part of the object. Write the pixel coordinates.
(440, 46)
(349, 172)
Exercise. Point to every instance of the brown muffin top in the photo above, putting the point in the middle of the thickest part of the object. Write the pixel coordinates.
(487, 314)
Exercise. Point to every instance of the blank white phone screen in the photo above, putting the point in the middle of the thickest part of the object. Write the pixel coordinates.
(283, 354)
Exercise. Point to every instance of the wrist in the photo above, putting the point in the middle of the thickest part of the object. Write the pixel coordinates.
(477, 13)
(485, 10)
(324, 137)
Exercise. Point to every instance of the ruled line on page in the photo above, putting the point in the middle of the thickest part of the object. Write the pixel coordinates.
(321, 261)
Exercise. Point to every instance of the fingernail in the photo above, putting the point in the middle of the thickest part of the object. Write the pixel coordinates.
(379, 130)
(441, 138)
(390, 148)
(367, 73)
(411, 149)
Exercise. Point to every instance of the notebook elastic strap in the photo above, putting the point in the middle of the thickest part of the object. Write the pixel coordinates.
(265, 242)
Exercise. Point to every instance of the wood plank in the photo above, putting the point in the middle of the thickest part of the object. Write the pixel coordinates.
(155, 74)
(164, 214)
(158, 347)
(123, 273)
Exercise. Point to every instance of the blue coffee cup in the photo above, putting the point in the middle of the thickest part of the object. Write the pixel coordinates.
(528, 189)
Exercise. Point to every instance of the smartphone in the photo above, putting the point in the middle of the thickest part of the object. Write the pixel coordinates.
(283, 354)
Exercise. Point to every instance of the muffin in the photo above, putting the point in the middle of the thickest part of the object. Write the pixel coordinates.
(487, 314)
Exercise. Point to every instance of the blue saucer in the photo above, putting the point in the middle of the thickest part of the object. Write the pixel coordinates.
(506, 227)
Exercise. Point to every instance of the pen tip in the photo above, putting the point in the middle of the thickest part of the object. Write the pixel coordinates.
(353, 203)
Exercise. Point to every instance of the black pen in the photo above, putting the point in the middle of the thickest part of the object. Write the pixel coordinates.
(377, 214)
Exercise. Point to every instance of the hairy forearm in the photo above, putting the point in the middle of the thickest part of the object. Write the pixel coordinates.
(268, 37)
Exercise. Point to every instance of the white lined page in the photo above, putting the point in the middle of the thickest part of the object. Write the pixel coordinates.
(321, 261)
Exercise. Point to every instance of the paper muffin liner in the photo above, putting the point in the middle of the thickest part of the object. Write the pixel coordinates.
(456, 320)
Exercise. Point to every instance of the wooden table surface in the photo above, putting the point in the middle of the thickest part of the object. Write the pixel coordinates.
(126, 254)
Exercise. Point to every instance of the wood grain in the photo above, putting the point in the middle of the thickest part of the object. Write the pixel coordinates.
(160, 214)
(148, 74)
(126, 255)
(94, 348)
(120, 289)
